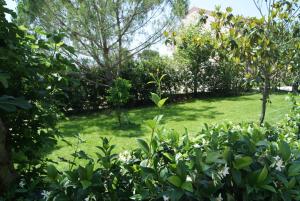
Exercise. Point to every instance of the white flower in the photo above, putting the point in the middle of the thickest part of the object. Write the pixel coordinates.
(277, 158)
(125, 156)
(188, 178)
(278, 164)
(225, 171)
(204, 142)
(178, 156)
(45, 194)
(197, 146)
(166, 198)
(90, 197)
(22, 183)
(219, 198)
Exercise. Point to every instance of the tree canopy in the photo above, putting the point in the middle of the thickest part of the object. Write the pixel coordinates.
(101, 30)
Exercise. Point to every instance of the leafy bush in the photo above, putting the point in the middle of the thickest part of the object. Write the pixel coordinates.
(118, 95)
(32, 69)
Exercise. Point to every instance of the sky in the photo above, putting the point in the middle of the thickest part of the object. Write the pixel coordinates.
(242, 7)
(11, 4)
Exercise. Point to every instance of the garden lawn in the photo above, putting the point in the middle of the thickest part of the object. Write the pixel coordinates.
(191, 115)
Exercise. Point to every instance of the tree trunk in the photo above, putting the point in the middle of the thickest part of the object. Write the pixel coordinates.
(108, 69)
(120, 58)
(195, 83)
(265, 96)
(7, 173)
(195, 87)
(295, 87)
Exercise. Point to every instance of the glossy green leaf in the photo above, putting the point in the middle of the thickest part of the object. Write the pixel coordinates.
(155, 98)
(85, 184)
(89, 171)
(269, 188)
(143, 145)
(52, 172)
(212, 157)
(262, 175)
(242, 162)
(188, 186)
(292, 183)
(151, 123)
(10, 104)
(294, 170)
(161, 102)
(4, 79)
(284, 150)
(237, 177)
(175, 180)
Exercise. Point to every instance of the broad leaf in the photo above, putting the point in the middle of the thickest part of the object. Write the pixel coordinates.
(155, 98)
(242, 162)
(10, 104)
(161, 102)
(52, 171)
(284, 150)
(175, 180)
(269, 188)
(212, 157)
(85, 184)
(188, 186)
(143, 145)
(262, 175)
(294, 170)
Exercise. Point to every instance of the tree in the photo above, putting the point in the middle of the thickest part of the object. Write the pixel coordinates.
(194, 48)
(32, 71)
(100, 30)
(271, 39)
(260, 44)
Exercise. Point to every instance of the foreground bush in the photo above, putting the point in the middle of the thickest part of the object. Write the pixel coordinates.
(223, 162)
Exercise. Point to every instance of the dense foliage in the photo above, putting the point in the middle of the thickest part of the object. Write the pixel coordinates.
(264, 47)
(223, 162)
(104, 32)
(118, 95)
(32, 72)
(207, 66)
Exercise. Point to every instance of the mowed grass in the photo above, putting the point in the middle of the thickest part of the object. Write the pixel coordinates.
(191, 115)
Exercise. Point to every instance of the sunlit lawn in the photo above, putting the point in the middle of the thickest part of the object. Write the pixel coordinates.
(190, 115)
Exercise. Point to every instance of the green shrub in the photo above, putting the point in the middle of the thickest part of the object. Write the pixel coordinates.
(32, 69)
(118, 95)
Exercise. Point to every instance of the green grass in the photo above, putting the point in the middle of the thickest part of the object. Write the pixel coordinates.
(190, 115)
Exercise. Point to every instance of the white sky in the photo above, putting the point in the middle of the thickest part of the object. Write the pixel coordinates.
(243, 7)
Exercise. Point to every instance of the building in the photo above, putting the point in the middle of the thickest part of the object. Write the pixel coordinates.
(194, 15)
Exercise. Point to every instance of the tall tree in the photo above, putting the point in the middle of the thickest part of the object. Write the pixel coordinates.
(271, 38)
(261, 44)
(101, 29)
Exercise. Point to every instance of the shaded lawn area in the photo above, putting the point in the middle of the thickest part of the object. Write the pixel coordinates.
(191, 115)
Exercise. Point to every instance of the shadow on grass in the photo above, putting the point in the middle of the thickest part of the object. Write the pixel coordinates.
(233, 98)
(177, 113)
(105, 122)
(97, 123)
